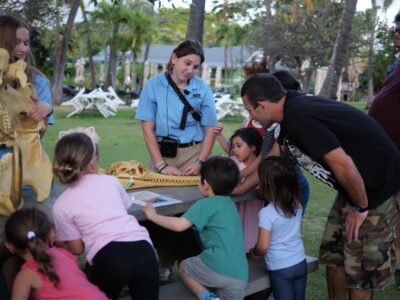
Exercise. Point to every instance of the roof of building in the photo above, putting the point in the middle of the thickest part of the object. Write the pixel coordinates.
(213, 57)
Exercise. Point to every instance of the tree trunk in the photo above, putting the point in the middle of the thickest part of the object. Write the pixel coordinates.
(371, 41)
(133, 76)
(196, 21)
(61, 57)
(112, 66)
(89, 48)
(268, 15)
(146, 55)
(338, 59)
(307, 79)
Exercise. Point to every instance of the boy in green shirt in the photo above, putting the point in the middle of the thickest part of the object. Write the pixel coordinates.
(222, 265)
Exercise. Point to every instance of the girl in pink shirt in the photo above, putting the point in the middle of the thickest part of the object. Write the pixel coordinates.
(49, 272)
(91, 216)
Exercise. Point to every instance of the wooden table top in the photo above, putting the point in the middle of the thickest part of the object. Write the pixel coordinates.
(187, 194)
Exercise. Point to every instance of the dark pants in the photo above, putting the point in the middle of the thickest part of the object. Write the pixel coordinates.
(289, 283)
(126, 263)
(173, 246)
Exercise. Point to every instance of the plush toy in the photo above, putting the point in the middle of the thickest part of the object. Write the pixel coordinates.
(26, 162)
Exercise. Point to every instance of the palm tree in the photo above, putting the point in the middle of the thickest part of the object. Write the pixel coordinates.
(60, 54)
(88, 46)
(141, 30)
(331, 82)
(111, 16)
(196, 21)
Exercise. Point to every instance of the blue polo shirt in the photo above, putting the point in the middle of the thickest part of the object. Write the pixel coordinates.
(43, 92)
(159, 104)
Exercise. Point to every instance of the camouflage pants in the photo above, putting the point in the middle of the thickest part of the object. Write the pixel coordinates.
(369, 263)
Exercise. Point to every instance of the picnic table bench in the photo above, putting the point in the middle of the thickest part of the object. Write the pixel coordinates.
(258, 281)
(258, 276)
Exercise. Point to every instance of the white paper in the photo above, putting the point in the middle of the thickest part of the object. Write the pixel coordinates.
(144, 197)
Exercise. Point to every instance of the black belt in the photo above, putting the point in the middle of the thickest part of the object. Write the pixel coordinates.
(185, 145)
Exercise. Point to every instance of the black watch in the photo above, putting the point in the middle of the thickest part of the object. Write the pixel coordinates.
(50, 113)
(359, 209)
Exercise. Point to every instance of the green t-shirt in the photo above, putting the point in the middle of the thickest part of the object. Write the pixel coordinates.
(220, 229)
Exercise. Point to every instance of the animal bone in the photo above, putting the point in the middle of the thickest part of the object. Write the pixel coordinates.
(128, 170)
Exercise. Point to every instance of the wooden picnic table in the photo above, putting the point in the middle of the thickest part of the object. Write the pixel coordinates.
(187, 194)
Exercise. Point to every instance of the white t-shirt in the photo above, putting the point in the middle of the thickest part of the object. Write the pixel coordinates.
(286, 247)
(94, 209)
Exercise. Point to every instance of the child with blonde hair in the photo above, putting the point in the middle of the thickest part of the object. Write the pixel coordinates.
(48, 272)
(91, 215)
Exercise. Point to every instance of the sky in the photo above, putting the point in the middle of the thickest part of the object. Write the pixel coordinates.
(361, 5)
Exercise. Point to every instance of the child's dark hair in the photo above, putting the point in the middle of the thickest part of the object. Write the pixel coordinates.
(250, 136)
(221, 173)
(72, 155)
(278, 182)
(28, 230)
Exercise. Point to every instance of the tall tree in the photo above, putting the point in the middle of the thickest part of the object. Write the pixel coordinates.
(289, 35)
(111, 16)
(338, 59)
(371, 41)
(196, 21)
(141, 30)
(88, 46)
(60, 55)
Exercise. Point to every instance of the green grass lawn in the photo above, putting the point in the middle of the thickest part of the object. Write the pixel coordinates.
(121, 139)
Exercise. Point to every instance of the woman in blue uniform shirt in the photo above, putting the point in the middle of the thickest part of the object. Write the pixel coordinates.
(178, 141)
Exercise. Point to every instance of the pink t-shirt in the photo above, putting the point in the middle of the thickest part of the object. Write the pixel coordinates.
(239, 163)
(73, 282)
(94, 209)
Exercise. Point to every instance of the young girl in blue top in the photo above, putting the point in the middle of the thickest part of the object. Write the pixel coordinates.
(178, 139)
(279, 237)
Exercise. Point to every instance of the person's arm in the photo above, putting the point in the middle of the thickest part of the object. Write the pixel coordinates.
(217, 130)
(275, 151)
(76, 247)
(251, 168)
(347, 174)
(154, 151)
(223, 143)
(40, 111)
(250, 183)
(208, 143)
(25, 280)
(171, 223)
(262, 243)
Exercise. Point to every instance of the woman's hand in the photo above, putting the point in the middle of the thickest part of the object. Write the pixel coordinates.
(192, 170)
(170, 170)
(40, 110)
